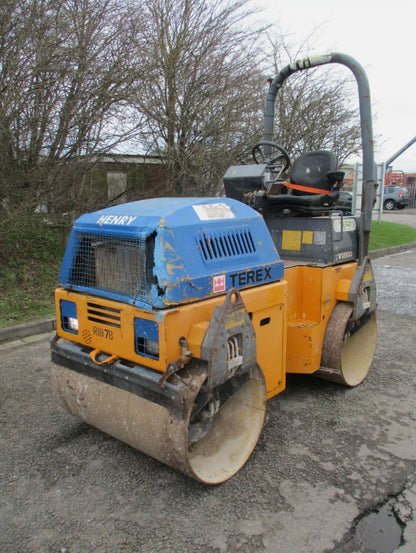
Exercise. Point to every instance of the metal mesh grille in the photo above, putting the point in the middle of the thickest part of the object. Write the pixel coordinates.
(108, 263)
(226, 244)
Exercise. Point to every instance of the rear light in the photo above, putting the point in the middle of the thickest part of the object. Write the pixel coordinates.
(146, 338)
(69, 317)
(400, 194)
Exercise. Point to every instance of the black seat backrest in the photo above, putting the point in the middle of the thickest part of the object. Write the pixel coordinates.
(312, 171)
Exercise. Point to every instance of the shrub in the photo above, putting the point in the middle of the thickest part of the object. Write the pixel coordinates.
(30, 258)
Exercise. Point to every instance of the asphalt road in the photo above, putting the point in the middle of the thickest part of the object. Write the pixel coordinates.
(327, 458)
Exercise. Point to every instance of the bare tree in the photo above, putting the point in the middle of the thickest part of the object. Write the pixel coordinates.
(201, 95)
(65, 72)
(204, 86)
(187, 77)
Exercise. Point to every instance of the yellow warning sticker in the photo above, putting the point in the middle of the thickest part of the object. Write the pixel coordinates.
(307, 237)
(291, 240)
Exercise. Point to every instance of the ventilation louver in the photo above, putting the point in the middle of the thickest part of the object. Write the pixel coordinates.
(220, 245)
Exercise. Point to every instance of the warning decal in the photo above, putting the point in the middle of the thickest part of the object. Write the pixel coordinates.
(291, 240)
(208, 212)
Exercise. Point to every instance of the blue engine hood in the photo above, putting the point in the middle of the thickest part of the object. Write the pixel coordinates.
(194, 248)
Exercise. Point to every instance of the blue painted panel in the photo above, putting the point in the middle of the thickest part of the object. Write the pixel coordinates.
(146, 337)
(182, 249)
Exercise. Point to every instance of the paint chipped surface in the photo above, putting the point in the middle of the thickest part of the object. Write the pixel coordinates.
(187, 254)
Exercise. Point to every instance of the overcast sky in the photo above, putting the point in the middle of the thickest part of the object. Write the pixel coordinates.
(381, 36)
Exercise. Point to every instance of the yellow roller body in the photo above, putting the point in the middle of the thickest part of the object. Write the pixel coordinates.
(94, 371)
(154, 430)
(301, 324)
(313, 292)
(332, 327)
(265, 304)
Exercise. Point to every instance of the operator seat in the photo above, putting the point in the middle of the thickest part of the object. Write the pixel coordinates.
(313, 187)
(315, 173)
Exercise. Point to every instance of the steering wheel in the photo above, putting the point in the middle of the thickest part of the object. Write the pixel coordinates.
(259, 156)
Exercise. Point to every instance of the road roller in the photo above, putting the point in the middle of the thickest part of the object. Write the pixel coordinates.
(179, 318)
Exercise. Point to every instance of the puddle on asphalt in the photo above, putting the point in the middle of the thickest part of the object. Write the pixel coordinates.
(379, 531)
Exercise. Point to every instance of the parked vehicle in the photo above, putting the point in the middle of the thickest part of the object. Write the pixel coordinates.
(395, 197)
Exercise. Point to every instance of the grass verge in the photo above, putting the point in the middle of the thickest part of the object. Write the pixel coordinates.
(30, 258)
(386, 235)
